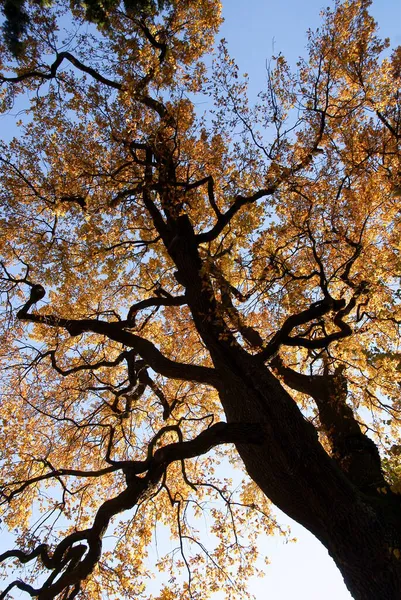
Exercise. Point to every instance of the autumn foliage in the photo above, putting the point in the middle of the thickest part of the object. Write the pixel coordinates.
(185, 291)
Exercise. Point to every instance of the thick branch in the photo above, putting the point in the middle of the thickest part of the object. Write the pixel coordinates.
(85, 367)
(155, 302)
(162, 46)
(295, 380)
(146, 349)
(226, 217)
(52, 72)
(82, 559)
(355, 453)
(316, 310)
(220, 433)
(210, 191)
(25, 587)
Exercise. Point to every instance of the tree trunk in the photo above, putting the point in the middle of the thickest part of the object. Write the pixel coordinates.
(361, 532)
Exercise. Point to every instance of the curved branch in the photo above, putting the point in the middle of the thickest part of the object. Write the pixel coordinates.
(25, 587)
(87, 367)
(55, 474)
(219, 433)
(316, 310)
(146, 380)
(210, 191)
(226, 217)
(146, 349)
(155, 302)
(73, 564)
(162, 46)
(25, 557)
(53, 72)
(323, 342)
(241, 201)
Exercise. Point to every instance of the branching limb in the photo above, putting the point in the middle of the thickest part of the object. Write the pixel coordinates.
(210, 191)
(249, 334)
(316, 310)
(24, 587)
(54, 474)
(114, 331)
(226, 217)
(162, 46)
(155, 302)
(145, 378)
(70, 564)
(241, 201)
(355, 453)
(53, 68)
(86, 367)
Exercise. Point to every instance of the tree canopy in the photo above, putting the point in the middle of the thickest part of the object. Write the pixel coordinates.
(183, 289)
(17, 17)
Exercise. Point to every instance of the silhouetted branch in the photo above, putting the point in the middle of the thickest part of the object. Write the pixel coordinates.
(73, 563)
(115, 331)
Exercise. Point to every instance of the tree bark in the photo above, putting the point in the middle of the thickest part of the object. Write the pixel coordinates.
(293, 470)
(361, 532)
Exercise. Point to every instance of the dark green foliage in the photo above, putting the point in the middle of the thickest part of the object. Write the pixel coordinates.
(16, 20)
(96, 11)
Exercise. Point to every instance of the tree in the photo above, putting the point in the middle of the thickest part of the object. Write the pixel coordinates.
(176, 282)
(16, 17)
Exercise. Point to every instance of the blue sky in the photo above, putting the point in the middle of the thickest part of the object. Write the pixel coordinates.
(255, 29)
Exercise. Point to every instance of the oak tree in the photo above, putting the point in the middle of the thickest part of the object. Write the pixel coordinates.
(185, 288)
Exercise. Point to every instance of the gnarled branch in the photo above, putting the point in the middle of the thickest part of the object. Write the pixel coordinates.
(115, 331)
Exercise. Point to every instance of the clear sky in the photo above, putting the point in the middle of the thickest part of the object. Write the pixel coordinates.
(254, 30)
